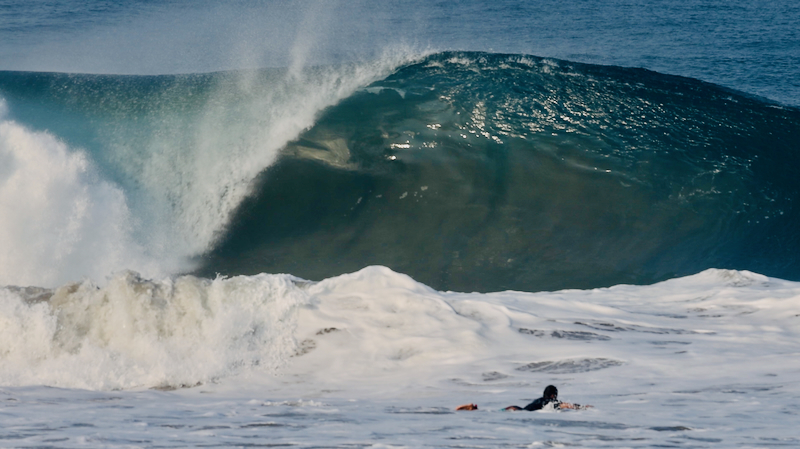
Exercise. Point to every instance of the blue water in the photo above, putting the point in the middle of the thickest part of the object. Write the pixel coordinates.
(753, 46)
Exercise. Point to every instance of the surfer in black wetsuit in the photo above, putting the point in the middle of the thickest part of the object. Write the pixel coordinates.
(550, 396)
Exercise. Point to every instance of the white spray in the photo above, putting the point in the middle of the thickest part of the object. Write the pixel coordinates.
(58, 219)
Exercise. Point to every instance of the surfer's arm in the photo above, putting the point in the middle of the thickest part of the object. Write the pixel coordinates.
(567, 405)
(467, 407)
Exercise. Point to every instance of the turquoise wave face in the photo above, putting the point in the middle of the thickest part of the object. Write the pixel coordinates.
(473, 171)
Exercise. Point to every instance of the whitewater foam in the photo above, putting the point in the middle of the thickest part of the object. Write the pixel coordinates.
(135, 333)
(374, 354)
(382, 333)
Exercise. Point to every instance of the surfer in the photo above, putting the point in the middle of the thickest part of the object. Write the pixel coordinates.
(550, 396)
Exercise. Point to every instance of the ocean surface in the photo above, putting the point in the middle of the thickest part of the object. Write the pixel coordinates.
(329, 223)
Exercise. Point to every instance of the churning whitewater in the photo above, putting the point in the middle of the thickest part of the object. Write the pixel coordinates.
(379, 357)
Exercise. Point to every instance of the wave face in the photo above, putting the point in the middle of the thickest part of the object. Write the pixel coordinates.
(472, 171)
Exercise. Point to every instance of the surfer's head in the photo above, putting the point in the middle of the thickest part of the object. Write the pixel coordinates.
(551, 392)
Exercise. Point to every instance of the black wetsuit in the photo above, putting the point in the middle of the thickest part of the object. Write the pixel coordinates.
(540, 403)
